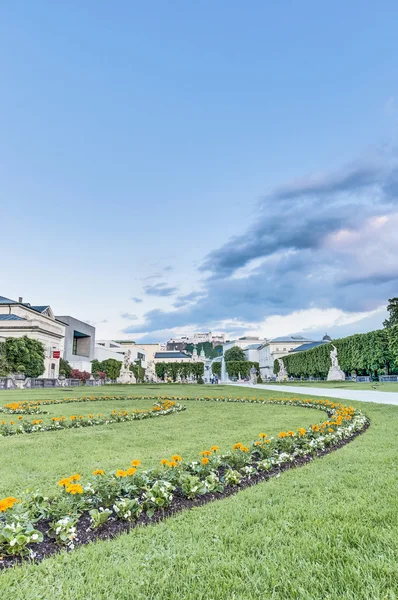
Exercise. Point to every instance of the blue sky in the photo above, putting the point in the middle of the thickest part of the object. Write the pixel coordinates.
(230, 165)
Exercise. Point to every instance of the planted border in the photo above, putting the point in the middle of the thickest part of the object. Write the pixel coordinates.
(37, 526)
(161, 408)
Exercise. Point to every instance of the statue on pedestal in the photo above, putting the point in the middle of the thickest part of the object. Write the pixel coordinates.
(282, 375)
(335, 373)
(126, 376)
(253, 375)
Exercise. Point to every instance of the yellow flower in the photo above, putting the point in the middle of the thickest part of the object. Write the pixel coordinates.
(315, 428)
(262, 435)
(176, 458)
(74, 488)
(244, 449)
(257, 443)
(7, 503)
(164, 461)
(121, 473)
(20, 417)
(205, 460)
(282, 434)
(290, 433)
(237, 446)
(64, 482)
(99, 472)
(135, 463)
(173, 463)
(214, 448)
(302, 431)
(75, 477)
(131, 471)
(206, 453)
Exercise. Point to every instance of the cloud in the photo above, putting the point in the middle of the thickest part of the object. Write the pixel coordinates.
(325, 243)
(160, 289)
(135, 299)
(129, 316)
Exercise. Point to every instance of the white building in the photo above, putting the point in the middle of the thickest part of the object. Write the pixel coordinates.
(79, 343)
(200, 338)
(252, 352)
(18, 318)
(278, 347)
(244, 343)
(105, 349)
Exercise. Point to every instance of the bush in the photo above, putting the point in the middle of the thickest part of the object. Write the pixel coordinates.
(24, 352)
(200, 380)
(82, 375)
(65, 368)
(234, 354)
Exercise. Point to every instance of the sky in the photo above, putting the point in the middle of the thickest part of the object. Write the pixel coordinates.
(170, 167)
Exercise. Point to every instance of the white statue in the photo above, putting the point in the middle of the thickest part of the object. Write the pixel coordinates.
(335, 373)
(126, 376)
(282, 375)
(253, 375)
(150, 372)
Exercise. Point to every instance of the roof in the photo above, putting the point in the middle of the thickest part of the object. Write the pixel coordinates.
(171, 355)
(4, 300)
(11, 318)
(252, 347)
(309, 346)
(39, 309)
(292, 338)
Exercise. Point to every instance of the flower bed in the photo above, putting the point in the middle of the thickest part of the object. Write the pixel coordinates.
(36, 526)
(161, 408)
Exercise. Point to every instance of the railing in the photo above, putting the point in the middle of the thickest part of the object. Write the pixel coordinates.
(388, 378)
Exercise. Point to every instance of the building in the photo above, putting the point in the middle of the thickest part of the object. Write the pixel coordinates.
(278, 347)
(172, 356)
(176, 345)
(252, 352)
(79, 343)
(18, 318)
(105, 349)
(149, 349)
(243, 342)
(196, 338)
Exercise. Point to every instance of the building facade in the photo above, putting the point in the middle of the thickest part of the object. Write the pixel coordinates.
(279, 347)
(79, 343)
(105, 349)
(18, 318)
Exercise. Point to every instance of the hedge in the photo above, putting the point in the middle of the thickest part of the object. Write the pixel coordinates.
(182, 369)
(365, 353)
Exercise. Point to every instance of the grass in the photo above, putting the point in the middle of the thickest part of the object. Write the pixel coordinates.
(380, 386)
(326, 531)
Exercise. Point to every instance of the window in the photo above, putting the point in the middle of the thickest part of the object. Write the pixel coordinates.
(284, 349)
(74, 347)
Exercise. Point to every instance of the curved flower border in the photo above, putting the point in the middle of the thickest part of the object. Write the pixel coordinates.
(161, 408)
(108, 503)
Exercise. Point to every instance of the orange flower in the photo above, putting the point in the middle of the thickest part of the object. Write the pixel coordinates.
(64, 482)
(257, 443)
(214, 448)
(99, 472)
(263, 435)
(176, 458)
(282, 434)
(206, 453)
(135, 463)
(75, 477)
(290, 433)
(7, 503)
(173, 463)
(237, 446)
(121, 473)
(74, 488)
(131, 471)
(205, 460)
(164, 461)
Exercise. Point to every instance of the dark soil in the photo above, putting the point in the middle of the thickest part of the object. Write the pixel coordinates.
(113, 528)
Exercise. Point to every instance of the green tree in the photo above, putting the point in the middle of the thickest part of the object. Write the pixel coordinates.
(65, 368)
(235, 353)
(111, 367)
(25, 352)
(392, 308)
(216, 369)
(160, 370)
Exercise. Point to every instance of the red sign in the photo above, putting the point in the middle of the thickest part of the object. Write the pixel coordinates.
(56, 354)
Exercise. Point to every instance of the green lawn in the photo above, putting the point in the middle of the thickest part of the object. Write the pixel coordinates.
(348, 385)
(324, 531)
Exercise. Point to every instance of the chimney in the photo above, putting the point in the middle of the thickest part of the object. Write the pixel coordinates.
(20, 299)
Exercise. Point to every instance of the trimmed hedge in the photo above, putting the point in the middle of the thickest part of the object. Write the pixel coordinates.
(365, 353)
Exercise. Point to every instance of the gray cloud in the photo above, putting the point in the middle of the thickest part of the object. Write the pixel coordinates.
(160, 289)
(129, 316)
(320, 246)
(299, 217)
(138, 300)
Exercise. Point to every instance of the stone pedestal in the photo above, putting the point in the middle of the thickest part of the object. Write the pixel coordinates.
(126, 376)
(336, 374)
